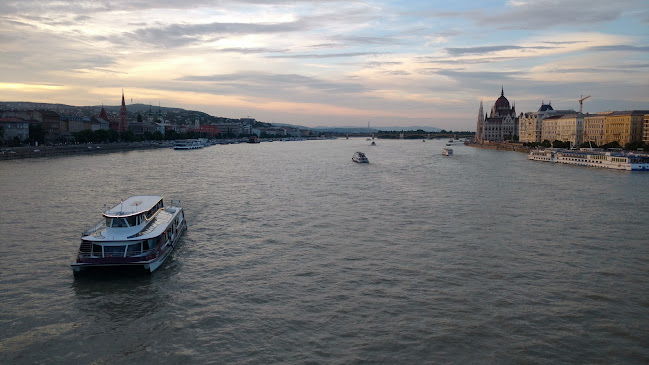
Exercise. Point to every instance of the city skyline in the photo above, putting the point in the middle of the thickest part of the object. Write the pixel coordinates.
(343, 64)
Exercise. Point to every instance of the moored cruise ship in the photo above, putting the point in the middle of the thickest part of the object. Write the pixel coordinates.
(189, 144)
(138, 232)
(547, 155)
(609, 160)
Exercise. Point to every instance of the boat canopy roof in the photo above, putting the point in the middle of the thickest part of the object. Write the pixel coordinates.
(133, 206)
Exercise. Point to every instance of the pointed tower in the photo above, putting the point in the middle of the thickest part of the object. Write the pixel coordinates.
(159, 117)
(150, 114)
(479, 130)
(102, 114)
(123, 124)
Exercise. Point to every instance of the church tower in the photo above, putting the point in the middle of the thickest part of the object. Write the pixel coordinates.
(160, 117)
(123, 123)
(479, 130)
(102, 114)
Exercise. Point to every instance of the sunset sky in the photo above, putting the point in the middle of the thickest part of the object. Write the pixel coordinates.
(329, 63)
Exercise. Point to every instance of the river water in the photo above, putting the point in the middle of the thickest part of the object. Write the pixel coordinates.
(295, 254)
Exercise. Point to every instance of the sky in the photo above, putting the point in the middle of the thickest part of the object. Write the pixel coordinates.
(326, 62)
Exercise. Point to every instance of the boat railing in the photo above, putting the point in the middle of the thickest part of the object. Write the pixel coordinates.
(175, 203)
(98, 255)
(97, 227)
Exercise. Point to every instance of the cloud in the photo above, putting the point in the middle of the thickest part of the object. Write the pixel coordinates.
(177, 35)
(478, 75)
(604, 69)
(250, 50)
(464, 61)
(266, 81)
(489, 49)
(397, 73)
(381, 64)
(545, 14)
(376, 56)
(330, 55)
(370, 40)
(619, 48)
(563, 42)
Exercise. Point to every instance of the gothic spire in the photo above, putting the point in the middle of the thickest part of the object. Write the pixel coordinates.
(123, 123)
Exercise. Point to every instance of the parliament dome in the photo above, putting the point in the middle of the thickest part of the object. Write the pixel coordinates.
(502, 102)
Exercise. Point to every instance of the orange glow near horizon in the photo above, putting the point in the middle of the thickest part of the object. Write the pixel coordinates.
(29, 87)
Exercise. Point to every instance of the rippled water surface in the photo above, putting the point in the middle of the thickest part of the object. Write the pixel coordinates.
(295, 254)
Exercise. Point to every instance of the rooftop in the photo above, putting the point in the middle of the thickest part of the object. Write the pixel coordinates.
(133, 205)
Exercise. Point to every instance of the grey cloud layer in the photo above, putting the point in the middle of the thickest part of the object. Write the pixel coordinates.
(176, 35)
(489, 49)
(266, 81)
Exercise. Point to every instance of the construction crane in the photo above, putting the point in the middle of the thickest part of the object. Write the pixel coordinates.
(581, 103)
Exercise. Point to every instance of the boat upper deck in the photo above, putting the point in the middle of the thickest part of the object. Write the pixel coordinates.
(133, 206)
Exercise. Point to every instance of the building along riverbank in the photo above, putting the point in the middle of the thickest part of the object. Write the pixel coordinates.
(12, 153)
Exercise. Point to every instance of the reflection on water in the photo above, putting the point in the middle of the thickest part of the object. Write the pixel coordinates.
(116, 295)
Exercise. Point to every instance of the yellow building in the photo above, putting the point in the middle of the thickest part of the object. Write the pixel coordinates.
(594, 128)
(624, 127)
(570, 128)
(549, 129)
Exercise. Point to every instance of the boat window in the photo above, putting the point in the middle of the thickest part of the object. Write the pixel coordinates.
(113, 251)
(151, 243)
(119, 222)
(131, 221)
(96, 250)
(134, 249)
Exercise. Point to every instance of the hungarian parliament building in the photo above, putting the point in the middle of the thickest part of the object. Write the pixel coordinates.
(502, 124)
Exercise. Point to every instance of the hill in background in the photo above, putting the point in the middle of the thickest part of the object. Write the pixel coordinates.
(183, 116)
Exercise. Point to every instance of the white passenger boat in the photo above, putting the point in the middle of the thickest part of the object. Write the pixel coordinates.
(547, 155)
(189, 144)
(447, 151)
(138, 232)
(360, 158)
(609, 160)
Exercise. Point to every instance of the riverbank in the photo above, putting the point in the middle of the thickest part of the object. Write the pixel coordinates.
(516, 147)
(13, 153)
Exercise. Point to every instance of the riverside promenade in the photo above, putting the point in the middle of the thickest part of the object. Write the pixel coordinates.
(12, 153)
(513, 146)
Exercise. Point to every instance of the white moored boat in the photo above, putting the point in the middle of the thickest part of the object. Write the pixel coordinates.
(360, 158)
(542, 155)
(189, 144)
(609, 160)
(138, 232)
(447, 151)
